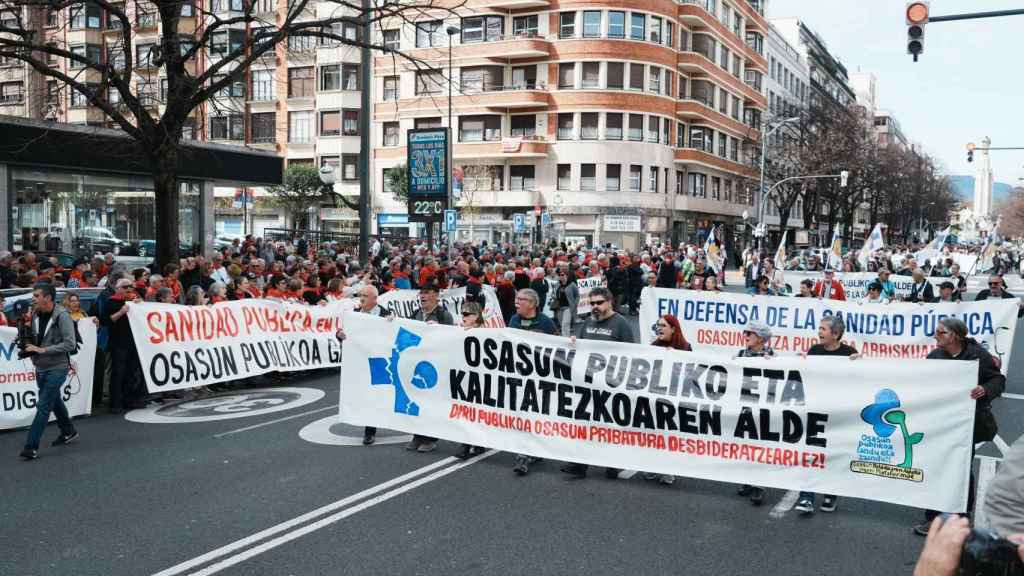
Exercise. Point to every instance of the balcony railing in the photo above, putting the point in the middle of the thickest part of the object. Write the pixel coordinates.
(487, 88)
(11, 98)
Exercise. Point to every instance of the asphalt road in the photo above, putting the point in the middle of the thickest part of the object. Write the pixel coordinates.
(249, 495)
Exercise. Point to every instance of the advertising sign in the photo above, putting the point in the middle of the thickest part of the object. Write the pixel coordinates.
(427, 163)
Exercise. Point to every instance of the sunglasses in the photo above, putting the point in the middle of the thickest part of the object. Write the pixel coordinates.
(597, 302)
(464, 314)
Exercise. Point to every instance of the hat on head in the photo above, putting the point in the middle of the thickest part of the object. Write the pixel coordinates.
(761, 329)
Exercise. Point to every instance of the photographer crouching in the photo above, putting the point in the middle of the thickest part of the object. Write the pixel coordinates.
(46, 335)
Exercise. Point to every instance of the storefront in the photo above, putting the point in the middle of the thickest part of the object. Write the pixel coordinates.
(83, 190)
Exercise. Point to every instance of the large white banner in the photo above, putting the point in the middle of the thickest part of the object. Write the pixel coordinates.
(187, 346)
(18, 390)
(877, 430)
(405, 303)
(714, 322)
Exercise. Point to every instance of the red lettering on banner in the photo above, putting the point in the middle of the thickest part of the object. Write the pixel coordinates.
(190, 324)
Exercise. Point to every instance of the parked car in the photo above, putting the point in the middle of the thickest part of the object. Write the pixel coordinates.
(14, 295)
(93, 239)
(147, 249)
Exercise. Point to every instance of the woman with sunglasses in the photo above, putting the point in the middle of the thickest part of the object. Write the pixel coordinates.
(472, 317)
(669, 335)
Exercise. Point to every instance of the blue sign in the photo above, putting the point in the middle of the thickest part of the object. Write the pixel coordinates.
(519, 223)
(545, 218)
(392, 219)
(428, 162)
(451, 220)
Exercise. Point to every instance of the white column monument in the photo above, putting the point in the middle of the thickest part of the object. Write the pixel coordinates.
(983, 182)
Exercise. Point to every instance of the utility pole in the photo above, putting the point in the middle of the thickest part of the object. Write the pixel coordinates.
(364, 138)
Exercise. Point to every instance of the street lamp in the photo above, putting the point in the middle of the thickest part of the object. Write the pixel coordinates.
(764, 142)
(452, 31)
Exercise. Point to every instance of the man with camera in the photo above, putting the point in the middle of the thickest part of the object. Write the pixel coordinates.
(48, 338)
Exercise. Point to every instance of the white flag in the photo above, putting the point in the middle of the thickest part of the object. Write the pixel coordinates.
(933, 250)
(780, 253)
(873, 244)
(835, 251)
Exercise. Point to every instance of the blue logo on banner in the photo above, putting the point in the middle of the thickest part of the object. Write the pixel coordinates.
(384, 372)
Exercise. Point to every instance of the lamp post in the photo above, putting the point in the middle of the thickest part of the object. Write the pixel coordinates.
(764, 142)
(452, 31)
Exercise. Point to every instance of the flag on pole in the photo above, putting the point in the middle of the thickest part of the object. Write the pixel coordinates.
(780, 253)
(934, 248)
(835, 251)
(714, 250)
(873, 244)
(986, 259)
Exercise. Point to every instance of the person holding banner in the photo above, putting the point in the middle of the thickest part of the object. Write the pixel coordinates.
(948, 293)
(762, 287)
(759, 338)
(888, 288)
(874, 295)
(776, 278)
(54, 342)
(473, 317)
(829, 288)
(669, 335)
(528, 317)
(567, 296)
(921, 291)
(830, 343)
(607, 325)
(806, 288)
(996, 289)
(954, 344)
(432, 313)
(367, 305)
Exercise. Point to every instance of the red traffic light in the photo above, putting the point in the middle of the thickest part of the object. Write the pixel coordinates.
(917, 13)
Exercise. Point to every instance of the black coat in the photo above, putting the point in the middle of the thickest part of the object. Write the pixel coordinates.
(924, 294)
(986, 294)
(989, 378)
(616, 278)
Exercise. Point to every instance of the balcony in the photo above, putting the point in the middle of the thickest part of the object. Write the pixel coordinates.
(528, 95)
(706, 159)
(509, 4)
(511, 46)
(519, 147)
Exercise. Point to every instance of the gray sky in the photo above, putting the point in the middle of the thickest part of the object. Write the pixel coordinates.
(966, 85)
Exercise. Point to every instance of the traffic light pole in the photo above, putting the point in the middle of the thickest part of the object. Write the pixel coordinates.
(975, 15)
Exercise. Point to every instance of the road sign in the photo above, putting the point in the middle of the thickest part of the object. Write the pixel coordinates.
(545, 218)
(519, 223)
(451, 220)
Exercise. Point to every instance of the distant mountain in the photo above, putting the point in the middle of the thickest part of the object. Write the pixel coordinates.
(963, 186)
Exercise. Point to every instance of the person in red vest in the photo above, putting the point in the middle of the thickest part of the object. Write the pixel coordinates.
(829, 288)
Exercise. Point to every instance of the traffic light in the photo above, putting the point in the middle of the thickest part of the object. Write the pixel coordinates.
(970, 152)
(917, 17)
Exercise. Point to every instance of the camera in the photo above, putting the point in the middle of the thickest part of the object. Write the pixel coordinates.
(26, 335)
(985, 553)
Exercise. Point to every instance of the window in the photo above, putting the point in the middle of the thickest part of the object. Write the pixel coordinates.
(722, 145)
(679, 181)
(300, 127)
(666, 129)
(330, 77)
(391, 133)
(616, 24)
(591, 23)
(115, 56)
(525, 26)
(616, 72)
(654, 84)
(87, 15)
(350, 167)
(684, 39)
(224, 42)
(302, 43)
(637, 24)
(52, 17)
(11, 92)
(670, 34)
(728, 190)
(612, 175)
(300, 82)
(392, 39)
(80, 100)
(330, 123)
(479, 128)
(113, 96)
(588, 125)
(567, 75)
(52, 92)
(432, 122)
(716, 188)
(265, 6)
(482, 78)
(391, 88)
(564, 177)
(264, 127)
(350, 122)
(655, 30)
(429, 34)
(680, 134)
(263, 85)
(756, 42)
(737, 65)
(701, 138)
(698, 185)
(566, 24)
(349, 77)
(634, 177)
(565, 131)
(703, 91)
(652, 179)
(522, 177)
(653, 128)
(588, 177)
(483, 177)
(723, 101)
(482, 29)
(233, 89)
(636, 76)
(613, 126)
(723, 57)
(429, 81)
(524, 77)
(524, 125)
(705, 45)
(91, 52)
(636, 127)
(591, 77)
(734, 149)
(227, 127)
(735, 112)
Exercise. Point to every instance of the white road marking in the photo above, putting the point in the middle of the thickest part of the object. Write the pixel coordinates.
(986, 471)
(1001, 444)
(228, 406)
(288, 525)
(1012, 396)
(268, 423)
(784, 505)
(626, 474)
(327, 521)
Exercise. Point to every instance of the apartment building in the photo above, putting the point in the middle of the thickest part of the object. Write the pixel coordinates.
(621, 119)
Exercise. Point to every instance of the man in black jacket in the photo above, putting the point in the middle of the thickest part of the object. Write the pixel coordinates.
(996, 289)
(634, 284)
(616, 278)
(953, 344)
(921, 290)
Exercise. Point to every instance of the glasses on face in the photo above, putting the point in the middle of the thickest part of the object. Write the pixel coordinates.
(597, 302)
(465, 314)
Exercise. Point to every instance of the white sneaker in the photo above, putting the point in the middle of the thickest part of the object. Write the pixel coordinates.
(805, 506)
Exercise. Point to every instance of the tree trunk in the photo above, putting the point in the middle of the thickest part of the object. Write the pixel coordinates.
(165, 188)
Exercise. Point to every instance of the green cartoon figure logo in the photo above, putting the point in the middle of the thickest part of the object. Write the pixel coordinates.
(876, 452)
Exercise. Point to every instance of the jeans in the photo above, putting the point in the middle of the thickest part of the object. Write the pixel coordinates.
(49, 400)
(810, 495)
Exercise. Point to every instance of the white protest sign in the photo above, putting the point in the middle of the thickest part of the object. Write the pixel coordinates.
(405, 303)
(586, 285)
(714, 322)
(882, 431)
(186, 346)
(18, 389)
